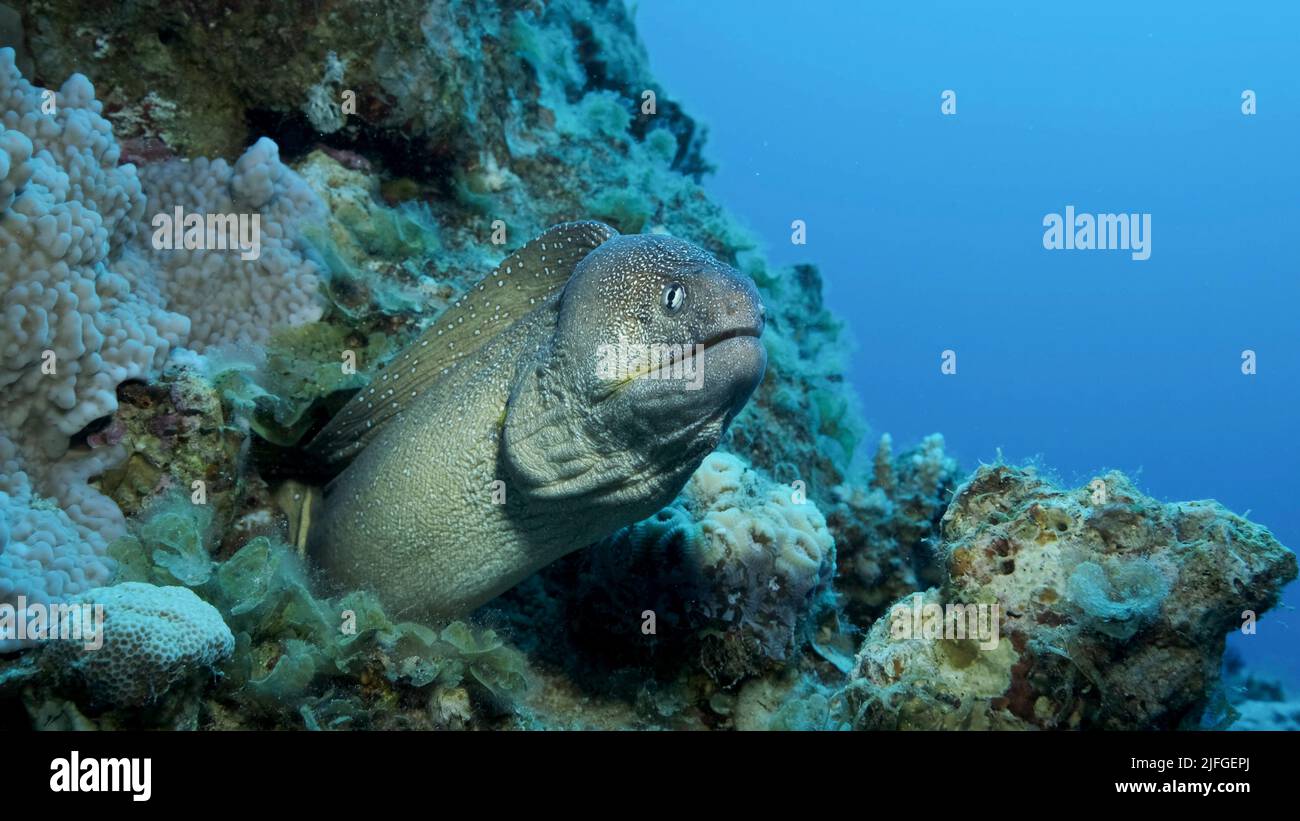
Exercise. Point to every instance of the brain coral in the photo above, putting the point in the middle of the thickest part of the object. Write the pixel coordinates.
(153, 638)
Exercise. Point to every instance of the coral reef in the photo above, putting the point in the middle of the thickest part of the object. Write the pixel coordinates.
(72, 331)
(85, 311)
(459, 83)
(74, 327)
(131, 372)
(230, 299)
(887, 530)
(288, 657)
(1113, 610)
(53, 544)
(730, 577)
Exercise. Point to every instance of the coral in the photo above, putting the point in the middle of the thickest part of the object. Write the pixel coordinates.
(735, 571)
(153, 637)
(509, 116)
(177, 435)
(1112, 611)
(466, 79)
(88, 317)
(301, 657)
(230, 299)
(51, 546)
(73, 327)
(886, 532)
(54, 537)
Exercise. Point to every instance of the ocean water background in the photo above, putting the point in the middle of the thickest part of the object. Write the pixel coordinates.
(928, 228)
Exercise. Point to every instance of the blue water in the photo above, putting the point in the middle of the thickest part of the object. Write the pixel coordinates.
(928, 228)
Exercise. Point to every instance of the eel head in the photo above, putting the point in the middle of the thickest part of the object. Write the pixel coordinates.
(656, 349)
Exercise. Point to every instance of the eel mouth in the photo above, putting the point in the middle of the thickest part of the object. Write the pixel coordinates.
(734, 333)
(682, 361)
(675, 367)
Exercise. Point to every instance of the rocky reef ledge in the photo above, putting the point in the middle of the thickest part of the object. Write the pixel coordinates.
(399, 153)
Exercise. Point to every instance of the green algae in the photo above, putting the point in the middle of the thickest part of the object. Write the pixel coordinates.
(304, 365)
(294, 646)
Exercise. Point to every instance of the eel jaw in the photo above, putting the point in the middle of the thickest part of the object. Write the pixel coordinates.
(750, 334)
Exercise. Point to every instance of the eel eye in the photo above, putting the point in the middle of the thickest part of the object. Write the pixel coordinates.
(674, 298)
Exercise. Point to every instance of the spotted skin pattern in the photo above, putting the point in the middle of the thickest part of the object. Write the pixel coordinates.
(506, 400)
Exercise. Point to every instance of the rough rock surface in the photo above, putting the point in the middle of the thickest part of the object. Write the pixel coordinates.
(1113, 611)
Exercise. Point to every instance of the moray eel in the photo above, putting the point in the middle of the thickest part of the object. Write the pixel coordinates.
(501, 439)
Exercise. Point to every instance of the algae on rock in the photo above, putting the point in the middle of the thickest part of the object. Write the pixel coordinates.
(1113, 611)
